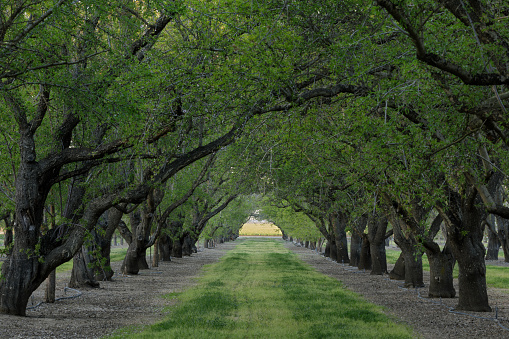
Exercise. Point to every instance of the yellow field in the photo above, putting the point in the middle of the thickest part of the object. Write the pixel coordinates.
(260, 229)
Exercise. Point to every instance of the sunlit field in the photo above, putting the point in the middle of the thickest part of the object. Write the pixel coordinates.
(261, 229)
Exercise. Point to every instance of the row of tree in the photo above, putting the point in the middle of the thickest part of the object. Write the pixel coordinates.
(109, 108)
(355, 114)
(411, 133)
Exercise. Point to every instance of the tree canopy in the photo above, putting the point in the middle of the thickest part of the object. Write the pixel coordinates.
(335, 113)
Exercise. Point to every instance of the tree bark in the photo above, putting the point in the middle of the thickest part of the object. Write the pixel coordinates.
(155, 256)
(176, 250)
(464, 234)
(165, 247)
(50, 287)
(503, 235)
(356, 241)
(141, 223)
(412, 256)
(103, 240)
(338, 223)
(365, 255)
(493, 241)
(187, 246)
(326, 252)
(82, 274)
(333, 249)
(441, 264)
(398, 271)
(8, 235)
(51, 279)
(377, 226)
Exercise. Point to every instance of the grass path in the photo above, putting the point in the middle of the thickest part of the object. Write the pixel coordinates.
(262, 290)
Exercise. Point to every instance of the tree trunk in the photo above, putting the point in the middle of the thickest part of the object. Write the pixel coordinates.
(441, 264)
(493, 241)
(131, 262)
(319, 245)
(355, 249)
(141, 223)
(365, 255)
(142, 258)
(377, 226)
(503, 234)
(333, 248)
(338, 222)
(398, 271)
(165, 247)
(194, 240)
(326, 253)
(469, 253)
(378, 258)
(18, 281)
(82, 275)
(8, 238)
(187, 246)
(155, 257)
(176, 250)
(411, 254)
(96, 256)
(356, 241)
(103, 241)
(50, 287)
(8, 235)
(51, 279)
(465, 239)
(502, 224)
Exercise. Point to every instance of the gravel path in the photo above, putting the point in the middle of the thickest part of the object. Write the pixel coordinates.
(136, 300)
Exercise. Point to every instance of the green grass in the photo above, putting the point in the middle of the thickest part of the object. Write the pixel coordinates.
(496, 276)
(262, 290)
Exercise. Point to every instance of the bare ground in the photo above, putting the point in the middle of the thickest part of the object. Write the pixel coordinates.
(136, 300)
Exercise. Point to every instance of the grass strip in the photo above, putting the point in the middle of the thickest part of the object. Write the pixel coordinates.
(262, 290)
